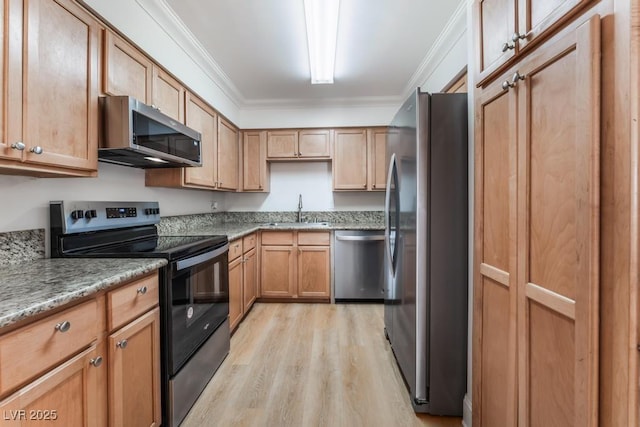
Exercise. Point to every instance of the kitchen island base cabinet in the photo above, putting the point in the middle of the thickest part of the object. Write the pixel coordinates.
(295, 265)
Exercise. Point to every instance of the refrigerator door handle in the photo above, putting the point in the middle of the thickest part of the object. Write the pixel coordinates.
(391, 186)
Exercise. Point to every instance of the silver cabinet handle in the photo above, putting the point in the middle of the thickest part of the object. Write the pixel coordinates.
(18, 146)
(516, 37)
(96, 362)
(122, 344)
(507, 84)
(37, 150)
(63, 326)
(360, 238)
(508, 46)
(142, 290)
(517, 76)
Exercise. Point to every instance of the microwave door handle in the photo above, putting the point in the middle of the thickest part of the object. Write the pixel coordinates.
(199, 259)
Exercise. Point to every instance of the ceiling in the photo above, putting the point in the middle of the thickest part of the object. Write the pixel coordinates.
(259, 46)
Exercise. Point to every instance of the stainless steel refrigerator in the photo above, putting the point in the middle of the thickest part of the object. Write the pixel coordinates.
(426, 244)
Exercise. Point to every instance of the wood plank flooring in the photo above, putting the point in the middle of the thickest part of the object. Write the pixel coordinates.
(309, 365)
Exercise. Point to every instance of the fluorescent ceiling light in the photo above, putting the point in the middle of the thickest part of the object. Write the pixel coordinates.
(322, 31)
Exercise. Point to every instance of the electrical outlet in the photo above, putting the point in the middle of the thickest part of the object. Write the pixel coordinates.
(214, 205)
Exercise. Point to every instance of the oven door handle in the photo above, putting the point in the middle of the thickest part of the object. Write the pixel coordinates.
(199, 259)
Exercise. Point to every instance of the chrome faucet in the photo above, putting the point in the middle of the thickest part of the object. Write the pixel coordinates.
(300, 208)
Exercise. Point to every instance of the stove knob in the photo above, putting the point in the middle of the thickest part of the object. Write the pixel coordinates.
(90, 214)
(148, 211)
(156, 211)
(76, 215)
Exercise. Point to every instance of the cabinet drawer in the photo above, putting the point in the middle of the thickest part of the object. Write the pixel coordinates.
(235, 249)
(249, 242)
(128, 302)
(314, 238)
(277, 238)
(33, 349)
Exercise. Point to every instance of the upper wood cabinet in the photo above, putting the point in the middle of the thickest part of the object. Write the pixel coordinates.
(359, 162)
(537, 238)
(255, 169)
(228, 155)
(50, 66)
(350, 159)
(377, 147)
(168, 94)
(504, 28)
(299, 144)
(127, 71)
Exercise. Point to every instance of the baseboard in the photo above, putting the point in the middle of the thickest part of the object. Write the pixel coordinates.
(466, 411)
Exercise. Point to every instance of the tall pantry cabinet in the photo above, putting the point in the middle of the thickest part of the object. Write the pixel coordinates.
(537, 219)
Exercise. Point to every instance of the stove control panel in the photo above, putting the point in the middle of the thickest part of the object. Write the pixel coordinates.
(83, 216)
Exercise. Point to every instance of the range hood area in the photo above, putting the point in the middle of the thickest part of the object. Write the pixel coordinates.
(141, 136)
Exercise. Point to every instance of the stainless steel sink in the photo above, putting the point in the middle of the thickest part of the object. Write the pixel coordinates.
(297, 224)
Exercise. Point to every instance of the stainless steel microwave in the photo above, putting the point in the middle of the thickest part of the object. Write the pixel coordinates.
(138, 135)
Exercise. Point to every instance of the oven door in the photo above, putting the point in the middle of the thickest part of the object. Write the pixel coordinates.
(198, 302)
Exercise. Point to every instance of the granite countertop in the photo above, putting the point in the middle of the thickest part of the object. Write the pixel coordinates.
(40, 285)
(236, 230)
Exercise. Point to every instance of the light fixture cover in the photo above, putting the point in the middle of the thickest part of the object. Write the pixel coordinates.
(322, 32)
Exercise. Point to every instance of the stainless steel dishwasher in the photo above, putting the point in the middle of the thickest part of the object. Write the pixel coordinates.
(358, 265)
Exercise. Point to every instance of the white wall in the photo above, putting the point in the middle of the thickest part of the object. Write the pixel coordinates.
(313, 181)
(25, 200)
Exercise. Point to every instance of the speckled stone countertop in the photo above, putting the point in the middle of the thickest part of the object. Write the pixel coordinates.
(37, 286)
(236, 230)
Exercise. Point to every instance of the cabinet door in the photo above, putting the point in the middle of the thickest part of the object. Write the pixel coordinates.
(235, 292)
(538, 16)
(66, 396)
(168, 94)
(282, 144)
(127, 70)
(60, 111)
(558, 231)
(10, 72)
(494, 25)
(277, 277)
(250, 273)
(254, 161)
(350, 159)
(227, 155)
(377, 161)
(134, 372)
(314, 143)
(495, 289)
(314, 272)
(202, 118)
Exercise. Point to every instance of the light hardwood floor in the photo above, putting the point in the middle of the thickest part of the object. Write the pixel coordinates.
(309, 365)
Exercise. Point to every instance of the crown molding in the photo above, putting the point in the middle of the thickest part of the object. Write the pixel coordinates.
(454, 30)
(172, 25)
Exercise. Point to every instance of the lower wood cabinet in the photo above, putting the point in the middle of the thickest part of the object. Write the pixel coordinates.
(134, 372)
(295, 264)
(65, 396)
(61, 368)
(243, 276)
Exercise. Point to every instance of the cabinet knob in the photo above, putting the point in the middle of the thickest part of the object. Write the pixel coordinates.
(63, 326)
(516, 37)
(507, 84)
(299, 154)
(142, 290)
(37, 150)
(122, 344)
(508, 46)
(96, 362)
(517, 76)
(18, 146)
(373, 186)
